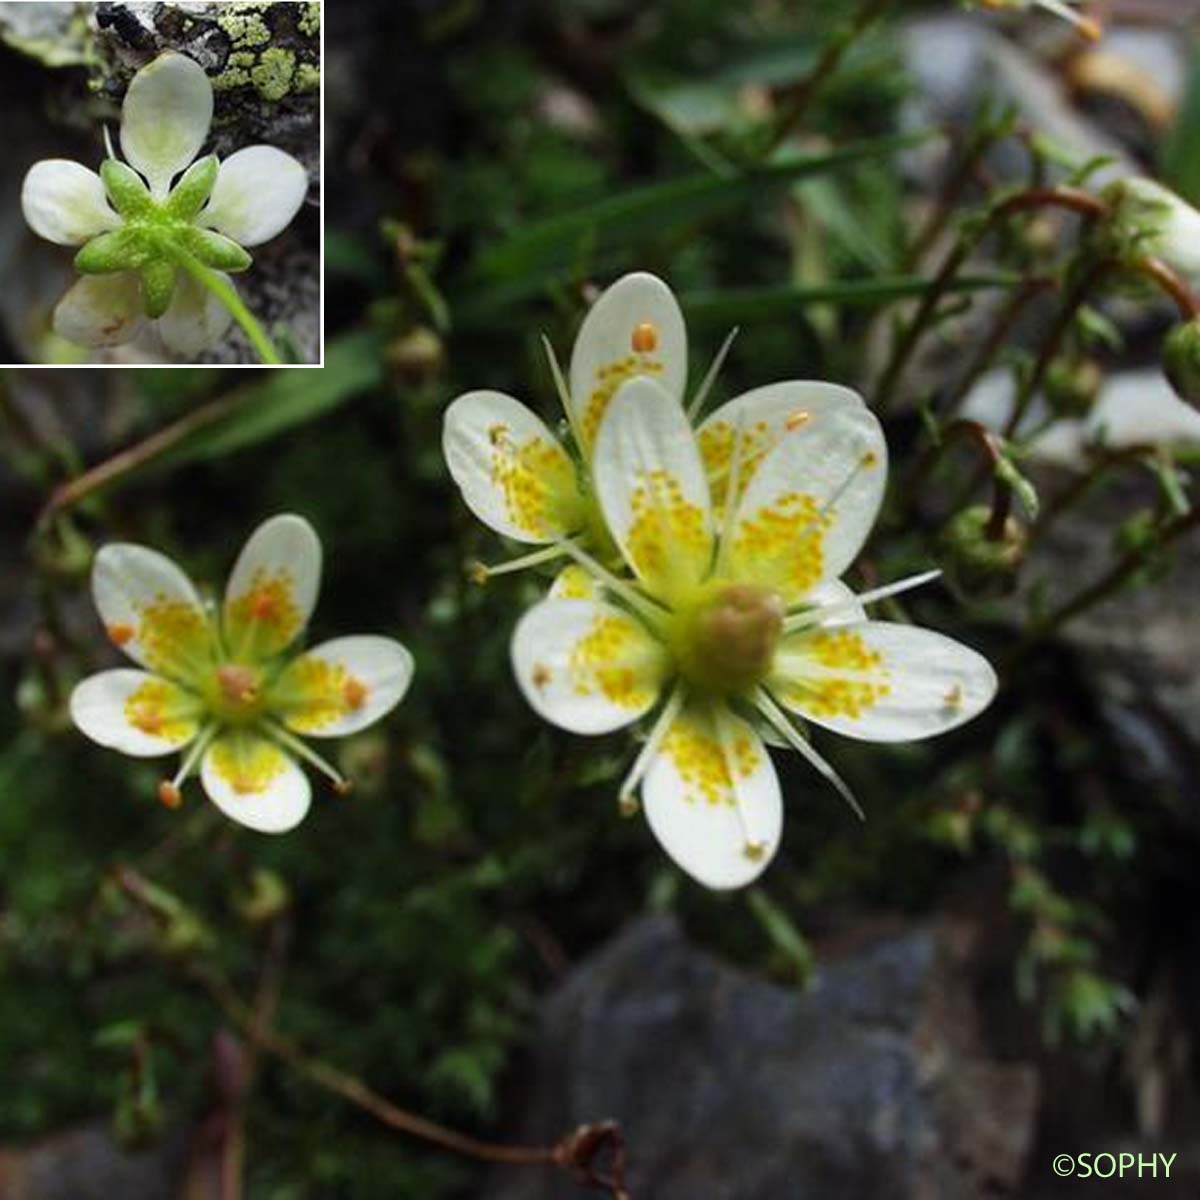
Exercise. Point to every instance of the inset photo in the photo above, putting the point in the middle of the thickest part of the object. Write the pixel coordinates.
(160, 187)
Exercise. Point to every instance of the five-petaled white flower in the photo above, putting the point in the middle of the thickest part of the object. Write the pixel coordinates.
(228, 688)
(738, 618)
(1156, 221)
(138, 233)
(1089, 27)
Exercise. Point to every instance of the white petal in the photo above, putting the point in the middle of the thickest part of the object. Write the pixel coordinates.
(253, 781)
(66, 203)
(635, 328)
(652, 488)
(165, 118)
(135, 712)
(342, 686)
(101, 310)
(764, 416)
(151, 610)
(881, 682)
(195, 319)
(811, 504)
(575, 583)
(512, 471)
(586, 666)
(259, 190)
(273, 588)
(720, 825)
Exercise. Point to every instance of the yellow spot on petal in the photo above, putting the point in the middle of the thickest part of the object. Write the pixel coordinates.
(315, 693)
(538, 482)
(701, 762)
(836, 674)
(668, 537)
(249, 765)
(716, 442)
(174, 637)
(574, 583)
(158, 709)
(616, 660)
(782, 544)
(266, 613)
(609, 378)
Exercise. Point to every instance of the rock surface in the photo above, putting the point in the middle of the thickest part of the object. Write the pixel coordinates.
(869, 1084)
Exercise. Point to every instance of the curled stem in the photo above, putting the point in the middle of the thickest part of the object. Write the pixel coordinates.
(227, 295)
(991, 447)
(1172, 283)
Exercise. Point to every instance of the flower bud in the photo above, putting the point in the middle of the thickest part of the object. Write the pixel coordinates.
(1072, 386)
(1148, 219)
(979, 566)
(417, 356)
(1181, 360)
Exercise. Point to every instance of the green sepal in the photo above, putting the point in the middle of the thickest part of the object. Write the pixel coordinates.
(129, 195)
(191, 193)
(158, 286)
(121, 250)
(213, 249)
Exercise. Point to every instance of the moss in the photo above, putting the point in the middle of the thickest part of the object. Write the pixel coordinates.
(274, 74)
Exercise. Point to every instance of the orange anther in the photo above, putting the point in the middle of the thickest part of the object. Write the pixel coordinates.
(541, 675)
(354, 692)
(798, 420)
(645, 338)
(120, 633)
(1090, 29)
(169, 795)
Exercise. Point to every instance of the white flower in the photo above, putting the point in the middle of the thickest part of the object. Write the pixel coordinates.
(519, 479)
(136, 229)
(735, 619)
(229, 688)
(1066, 9)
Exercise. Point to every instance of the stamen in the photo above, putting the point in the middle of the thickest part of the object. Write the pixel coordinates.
(169, 793)
(753, 847)
(108, 146)
(732, 484)
(1088, 27)
(815, 616)
(779, 721)
(662, 724)
(697, 404)
(302, 750)
(560, 386)
(867, 460)
(642, 604)
(480, 573)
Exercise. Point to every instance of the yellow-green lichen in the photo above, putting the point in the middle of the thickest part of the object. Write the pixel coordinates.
(244, 24)
(274, 73)
(309, 23)
(308, 78)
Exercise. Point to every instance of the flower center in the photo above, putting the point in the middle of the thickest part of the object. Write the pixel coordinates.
(724, 636)
(236, 693)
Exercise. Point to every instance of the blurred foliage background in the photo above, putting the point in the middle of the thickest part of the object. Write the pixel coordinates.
(487, 167)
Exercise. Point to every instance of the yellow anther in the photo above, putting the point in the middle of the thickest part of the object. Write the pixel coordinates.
(497, 433)
(870, 459)
(628, 806)
(645, 338)
(798, 420)
(477, 573)
(754, 851)
(541, 675)
(954, 697)
(343, 787)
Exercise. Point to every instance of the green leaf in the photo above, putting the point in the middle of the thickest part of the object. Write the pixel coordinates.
(353, 364)
(1181, 150)
(518, 265)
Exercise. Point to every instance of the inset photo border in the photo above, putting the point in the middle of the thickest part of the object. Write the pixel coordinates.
(160, 184)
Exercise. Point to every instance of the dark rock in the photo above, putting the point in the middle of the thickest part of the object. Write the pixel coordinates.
(866, 1085)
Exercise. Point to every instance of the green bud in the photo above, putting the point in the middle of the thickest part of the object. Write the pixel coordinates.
(418, 355)
(1073, 386)
(1181, 360)
(212, 249)
(121, 250)
(191, 193)
(129, 195)
(976, 565)
(158, 286)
